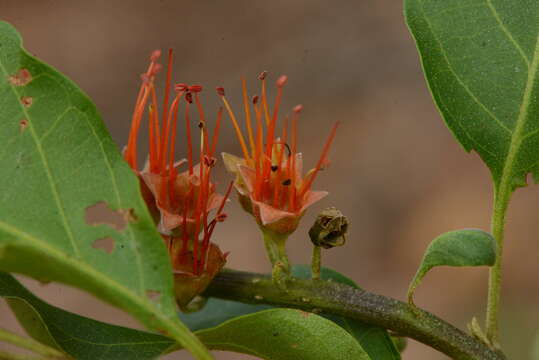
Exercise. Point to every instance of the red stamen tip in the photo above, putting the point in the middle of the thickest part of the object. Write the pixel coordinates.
(255, 99)
(156, 54)
(220, 90)
(262, 75)
(221, 217)
(282, 80)
(195, 88)
(145, 78)
(297, 109)
(180, 87)
(189, 97)
(156, 68)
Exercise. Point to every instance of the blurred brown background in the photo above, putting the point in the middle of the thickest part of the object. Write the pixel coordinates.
(396, 170)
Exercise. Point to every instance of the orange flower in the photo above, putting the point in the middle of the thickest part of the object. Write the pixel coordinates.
(179, 201)
(269, 177)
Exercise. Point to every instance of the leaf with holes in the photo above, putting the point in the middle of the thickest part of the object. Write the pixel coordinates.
(469, 247)
(481, 60)
(58, 162)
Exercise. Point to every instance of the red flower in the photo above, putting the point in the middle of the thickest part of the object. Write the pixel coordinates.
(179, 201)
(269, 178)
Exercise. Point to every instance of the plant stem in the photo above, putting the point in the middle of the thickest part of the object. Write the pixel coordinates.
(340, 299)
(30, 344)
(316, 262)
(276, 249)
(502, 196)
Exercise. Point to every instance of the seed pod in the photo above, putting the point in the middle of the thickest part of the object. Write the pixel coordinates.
(329, 229)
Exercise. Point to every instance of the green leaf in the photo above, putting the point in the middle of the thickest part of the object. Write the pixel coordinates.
(277, 334)
(80, 337)
(469, 247)
(58, 161)
(284, 334)
(480, 58)
(374, 340)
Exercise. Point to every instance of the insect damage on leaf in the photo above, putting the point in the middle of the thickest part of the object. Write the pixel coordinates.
(23, 124)
(21, 78)
(153, 295)
(105, 244)
(26, 101)
(101, 214)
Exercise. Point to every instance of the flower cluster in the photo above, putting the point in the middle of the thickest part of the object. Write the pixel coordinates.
(180, 201)
(269, 176)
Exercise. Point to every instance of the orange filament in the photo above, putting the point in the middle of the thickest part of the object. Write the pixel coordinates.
(248, 116)
(235, 123)
(307, 185)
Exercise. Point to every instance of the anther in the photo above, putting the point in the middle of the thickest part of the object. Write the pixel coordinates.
(287, 182)
(298, 108)
(281, 81)
(209, 161)
(195, 88)
(189, 98)
(180, 87)
(156, 54)
(255, 99)
(156, 68)
(201, 125)
(262, 75)
(220, 90)
(274, 168)
(221, 217)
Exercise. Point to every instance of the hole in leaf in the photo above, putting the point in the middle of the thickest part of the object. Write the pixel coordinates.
(21, 78)
(26, 101)
(106, 244)
(101, 214)
(23, 124)
(153, 295)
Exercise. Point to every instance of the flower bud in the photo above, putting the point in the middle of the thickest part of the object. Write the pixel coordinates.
(329, 229)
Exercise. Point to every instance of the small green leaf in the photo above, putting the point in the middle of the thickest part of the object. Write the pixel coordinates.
(58, 163)
(481, 60)
(80, 337)
(284, 334)
(374, 340)
(469, 247)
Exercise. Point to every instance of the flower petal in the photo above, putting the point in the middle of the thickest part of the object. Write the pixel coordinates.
(311, 197)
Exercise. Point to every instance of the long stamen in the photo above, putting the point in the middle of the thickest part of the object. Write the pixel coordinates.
(248, 116)
(262, 77)
(167, 88)
(259, 146)
(216, 131)
(221, 92)
(278, 175)
(293, 187)
(307, 185)
(189, 100)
